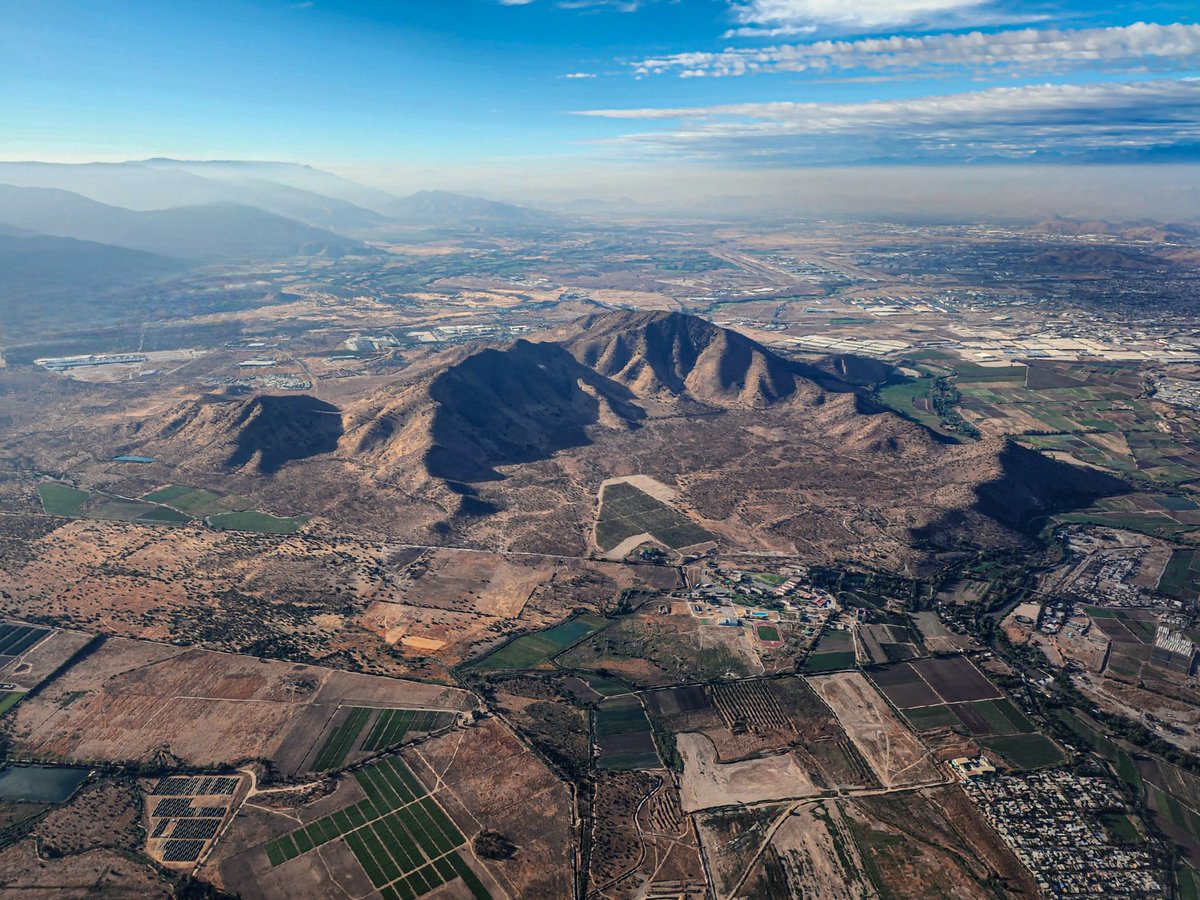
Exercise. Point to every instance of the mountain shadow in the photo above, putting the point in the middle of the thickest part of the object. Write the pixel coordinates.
(1027, 488)
(519, 404)
(275, 430)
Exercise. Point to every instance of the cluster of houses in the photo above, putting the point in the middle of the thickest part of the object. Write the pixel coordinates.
(1051, 820)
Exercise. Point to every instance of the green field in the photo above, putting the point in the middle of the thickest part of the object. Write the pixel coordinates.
(391, 725)
(1181, 577)
(927, 718)
(833, 650)
(1121, 828)
(1025, 751)
(60, 499)
(1003, 717)
(534, 650)
(828, 662)
(626, 512)
(401, 837)
(253, 520)
(767, 632)
(911, 398)
(341, 739)
(624, 735)
(9, 699)
(197, 502)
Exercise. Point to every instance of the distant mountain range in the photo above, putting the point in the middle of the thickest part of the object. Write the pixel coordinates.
(215, 231)
(179, 213)
(1156, 232)
(316, 198)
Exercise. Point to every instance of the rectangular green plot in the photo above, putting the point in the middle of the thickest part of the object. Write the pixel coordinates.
(372, 791)
(303, 841)
(341, 739)
(433, 835)
(406, 775)
(927, 718)
(467, 874)
(329, 828)
(378, 727)
(387, 870)
(390, 893)
(358, 847)
(400, 725)
(418, 830)
(404, 844)
(434, 876)
(419, 882)
(355, 815)
(341, 821)
(391, 795)
(404, 891)
(391, 847)
(288, 845)
(392, 783)
(445, 868)
(443, 822)
(275, 853)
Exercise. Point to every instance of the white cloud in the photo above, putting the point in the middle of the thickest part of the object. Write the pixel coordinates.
(775, 14)
(1027, 49)
(580, 75)
(1011, 122)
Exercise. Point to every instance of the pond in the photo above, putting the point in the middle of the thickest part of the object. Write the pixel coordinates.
(40, 784)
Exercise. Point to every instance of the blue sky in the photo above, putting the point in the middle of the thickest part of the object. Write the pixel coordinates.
(731, 83)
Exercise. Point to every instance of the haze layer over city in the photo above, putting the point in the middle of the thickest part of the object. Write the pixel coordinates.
(600, 449)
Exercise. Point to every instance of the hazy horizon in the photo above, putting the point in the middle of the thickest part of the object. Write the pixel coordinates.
(1019, 105)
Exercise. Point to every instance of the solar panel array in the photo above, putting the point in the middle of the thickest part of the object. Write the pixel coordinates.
(186, 814)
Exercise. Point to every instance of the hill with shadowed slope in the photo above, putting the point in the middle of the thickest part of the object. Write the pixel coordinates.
(507, 445)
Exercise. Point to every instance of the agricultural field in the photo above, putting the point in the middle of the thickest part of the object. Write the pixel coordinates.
(937, 694)
(1173, 797)
(197, 502)
(834, 650)
(363, 729)
(1025, 751)
(399, 835)
(649, 650)
(534, 651)
(892, 751)
(16, 639)
(171, 505)
(1181, 577)
(910, 397)
(1147, 513)
(487, 779)
(132, 701)
(888, 643)
(624, 738)
(1124, 626)
(61, 499)
(627, 512)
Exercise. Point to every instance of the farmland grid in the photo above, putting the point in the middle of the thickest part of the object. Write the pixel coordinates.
(402, 838)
